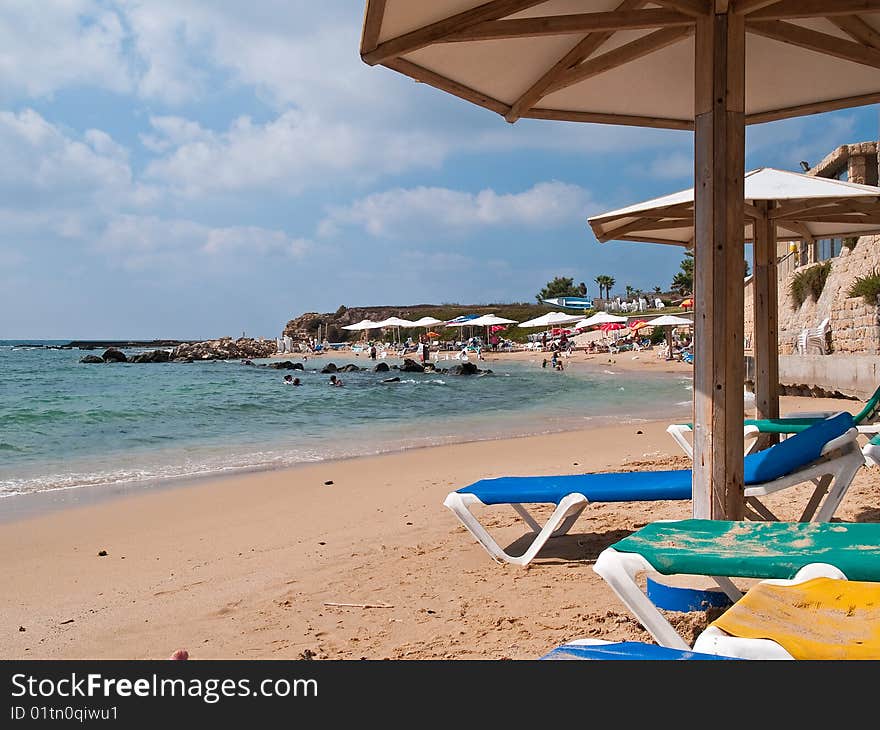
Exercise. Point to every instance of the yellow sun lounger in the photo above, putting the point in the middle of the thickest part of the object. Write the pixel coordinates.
(822, 618)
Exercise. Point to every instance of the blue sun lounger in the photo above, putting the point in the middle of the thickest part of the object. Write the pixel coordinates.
(826, 453)
(599, 649)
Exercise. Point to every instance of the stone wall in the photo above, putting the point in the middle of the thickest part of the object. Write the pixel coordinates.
(855, 325)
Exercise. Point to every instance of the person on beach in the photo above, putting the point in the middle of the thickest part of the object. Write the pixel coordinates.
(372, 352)
(335, 381)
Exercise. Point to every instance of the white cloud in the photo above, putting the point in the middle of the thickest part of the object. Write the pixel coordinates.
(396, 212)
(42, 166)
(46, 48)
(139, 242)
(670, 167)
(171, 131)
(295, 151)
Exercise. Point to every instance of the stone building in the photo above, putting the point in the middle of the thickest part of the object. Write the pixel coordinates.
(851, 365)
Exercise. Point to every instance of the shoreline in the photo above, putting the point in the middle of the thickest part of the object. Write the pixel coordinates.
(35, 504)
(31, 503)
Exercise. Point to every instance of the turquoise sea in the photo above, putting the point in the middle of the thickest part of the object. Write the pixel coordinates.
(66, 424)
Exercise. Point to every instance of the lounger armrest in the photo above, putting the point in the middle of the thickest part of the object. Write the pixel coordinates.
(620, 571)
(841, 442)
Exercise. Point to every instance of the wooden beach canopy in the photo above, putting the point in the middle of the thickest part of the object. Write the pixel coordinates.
(711, 66)
(801, 207)
(779, 205)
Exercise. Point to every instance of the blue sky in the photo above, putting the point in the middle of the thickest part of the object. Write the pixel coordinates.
(192, 169)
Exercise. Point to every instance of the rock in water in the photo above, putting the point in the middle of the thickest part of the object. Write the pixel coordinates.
(111, 354)
(91, 359)
(411, 366)
(381, 367)
(152, 356)
(465, 368)
(329, 368)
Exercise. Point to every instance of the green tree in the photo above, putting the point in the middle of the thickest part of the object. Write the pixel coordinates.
(600, 282)
(561, 286)
(629, 291)
(683, 281)
(657, 289)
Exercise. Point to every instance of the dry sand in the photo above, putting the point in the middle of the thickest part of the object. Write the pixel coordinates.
(246, 566)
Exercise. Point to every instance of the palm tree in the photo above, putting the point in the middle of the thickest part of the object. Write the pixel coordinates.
(605, 283)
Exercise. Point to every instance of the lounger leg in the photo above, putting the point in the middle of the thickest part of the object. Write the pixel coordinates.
(571, 505)
(568, 522)
(816, 498)
(561, 530)
(677, 431)
(527, 517)
(759, 510)
(620, 570)
(839, 487)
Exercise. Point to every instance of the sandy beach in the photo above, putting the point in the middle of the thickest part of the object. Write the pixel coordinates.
(262, 565)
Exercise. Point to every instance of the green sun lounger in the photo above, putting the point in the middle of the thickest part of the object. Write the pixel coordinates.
(866, 422)
(734, 549)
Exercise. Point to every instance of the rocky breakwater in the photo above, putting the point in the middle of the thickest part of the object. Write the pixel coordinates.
(224, 348)
(408, 366)
(113, 354)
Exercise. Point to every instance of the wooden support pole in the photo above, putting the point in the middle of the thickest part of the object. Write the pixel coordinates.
(766, 320)
(719, 371)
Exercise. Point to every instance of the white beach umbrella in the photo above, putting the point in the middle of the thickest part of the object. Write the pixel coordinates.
(427, 322)
(599, 318)
(364, 324)
(461, 322)
(551, 319)
(489, 320)
(669, 322)
(396, 322)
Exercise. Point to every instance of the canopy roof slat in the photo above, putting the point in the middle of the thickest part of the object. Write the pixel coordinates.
(585, 48)
(813, 40)
(569, 24)
(438, 30)
(814, 8)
